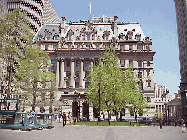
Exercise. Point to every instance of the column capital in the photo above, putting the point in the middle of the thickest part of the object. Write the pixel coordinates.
(62, 59)
(82, 59)
(72, 59)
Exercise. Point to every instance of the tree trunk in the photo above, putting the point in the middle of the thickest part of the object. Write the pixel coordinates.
(34, 96)
(108, 117)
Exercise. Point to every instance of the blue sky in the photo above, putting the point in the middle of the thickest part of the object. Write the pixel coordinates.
(157, 19)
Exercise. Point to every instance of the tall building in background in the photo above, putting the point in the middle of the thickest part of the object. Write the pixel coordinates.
(181, 15)
(2, 8)
(38, 11)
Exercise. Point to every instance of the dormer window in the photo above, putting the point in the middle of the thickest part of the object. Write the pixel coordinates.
(93, 37)
(83, 37)
(69, 37)
(97, 47)
(147, 47)
(78, 46)
(88, 46)
(69, 46)
(88, 37)
(106, 37)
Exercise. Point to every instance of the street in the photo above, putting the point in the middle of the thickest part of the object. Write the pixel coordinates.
(96, 132)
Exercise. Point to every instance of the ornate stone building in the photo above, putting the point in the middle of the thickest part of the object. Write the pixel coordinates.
(74, 46)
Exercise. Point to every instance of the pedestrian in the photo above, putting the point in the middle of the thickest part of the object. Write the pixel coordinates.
(136, 118)
(32, 116)
(183, 125)
(64, 119)
(59, 117)
(160, 123)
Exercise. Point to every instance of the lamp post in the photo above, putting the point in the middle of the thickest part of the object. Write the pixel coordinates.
(99, 103)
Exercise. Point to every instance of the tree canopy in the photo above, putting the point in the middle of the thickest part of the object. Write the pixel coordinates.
(28, 66)
(117, 88)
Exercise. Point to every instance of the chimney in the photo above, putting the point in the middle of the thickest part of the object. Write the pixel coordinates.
(63, 22)
(115, 26)
(63, 26)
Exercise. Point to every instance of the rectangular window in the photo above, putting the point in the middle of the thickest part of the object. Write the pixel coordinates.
(67, 84)
(148, 63)
(86, 74)
(148, 72)
(97, 47)
(53, 62)
(131, 63)
(68, 74)
(87, 63)
(78, 63)
(54, 47)
(78, 46)
(46, 47)
(69, 46)
(121, 47)
(130, 47)
(68, 63)
(77, 74)
(76, 84)
(139, 48)
(88, 37)
(140, 74)
(86, 84)
(139, 63)
(149, 83)
(122, 62)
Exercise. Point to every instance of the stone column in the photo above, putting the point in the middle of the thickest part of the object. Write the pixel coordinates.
(72, 80)
(62, 73)
(57, 72)
(81, 73)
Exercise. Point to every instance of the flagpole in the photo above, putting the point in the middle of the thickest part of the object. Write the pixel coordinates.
(90, 11)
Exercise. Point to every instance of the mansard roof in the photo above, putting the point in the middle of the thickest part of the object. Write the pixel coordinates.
(98, 28)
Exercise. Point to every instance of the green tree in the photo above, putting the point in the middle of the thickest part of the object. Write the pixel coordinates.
(117, 88)
(15, 36)
(34, 76)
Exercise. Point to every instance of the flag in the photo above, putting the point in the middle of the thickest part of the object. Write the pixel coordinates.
(89, 6)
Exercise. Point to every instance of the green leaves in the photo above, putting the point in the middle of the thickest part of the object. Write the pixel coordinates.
(117, 87)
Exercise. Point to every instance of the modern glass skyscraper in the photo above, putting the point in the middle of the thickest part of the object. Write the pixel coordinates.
(181, 15)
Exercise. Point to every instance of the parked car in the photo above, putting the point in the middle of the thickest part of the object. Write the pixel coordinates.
(123, 120)
(144, 120)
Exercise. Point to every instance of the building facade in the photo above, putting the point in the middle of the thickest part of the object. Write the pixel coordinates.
(78, 45)
(38, 11)
(181, 16)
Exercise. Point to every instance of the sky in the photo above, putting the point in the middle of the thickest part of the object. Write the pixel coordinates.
(157, 19)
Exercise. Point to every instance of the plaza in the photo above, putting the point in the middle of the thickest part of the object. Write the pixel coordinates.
(75, 132)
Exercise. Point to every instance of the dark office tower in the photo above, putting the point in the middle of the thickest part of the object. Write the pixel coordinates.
(181, 15)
